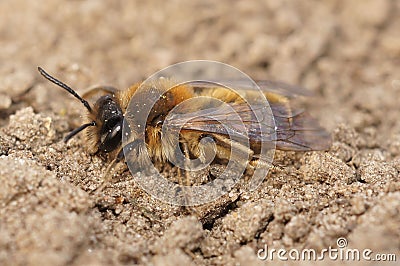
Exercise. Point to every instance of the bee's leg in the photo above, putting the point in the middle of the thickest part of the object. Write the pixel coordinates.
(259, 163)
(180, 182)
(234, 151)
(190, 209)
(187, 175)
(98, 90)
(109, 171)
(186, 153)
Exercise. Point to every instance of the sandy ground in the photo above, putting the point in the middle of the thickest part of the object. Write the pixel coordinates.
(346, 52)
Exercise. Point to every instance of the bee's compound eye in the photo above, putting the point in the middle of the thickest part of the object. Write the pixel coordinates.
(111, 138)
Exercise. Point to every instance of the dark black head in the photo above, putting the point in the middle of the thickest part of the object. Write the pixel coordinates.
(111, 116)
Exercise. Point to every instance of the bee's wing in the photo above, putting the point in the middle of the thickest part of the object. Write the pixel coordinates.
(277, 87)
(283, 88)
(293, 130)
(297, 130)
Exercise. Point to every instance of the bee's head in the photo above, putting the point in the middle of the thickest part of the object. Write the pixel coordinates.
(110, 117)
(106, 117)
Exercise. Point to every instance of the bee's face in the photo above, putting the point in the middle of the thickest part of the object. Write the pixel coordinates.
(110, 118)
(105, 118)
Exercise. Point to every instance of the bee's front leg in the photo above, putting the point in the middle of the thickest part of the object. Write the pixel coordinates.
(110, 171)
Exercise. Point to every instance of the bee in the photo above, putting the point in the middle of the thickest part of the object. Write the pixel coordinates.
(294, 129)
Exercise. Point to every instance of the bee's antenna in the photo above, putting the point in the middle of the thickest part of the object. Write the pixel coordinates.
(65, 87)
(77, 130)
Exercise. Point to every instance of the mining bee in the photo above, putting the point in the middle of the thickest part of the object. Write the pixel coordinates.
(294, 129)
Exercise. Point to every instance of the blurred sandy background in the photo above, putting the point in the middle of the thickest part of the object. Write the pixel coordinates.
(346, 52)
